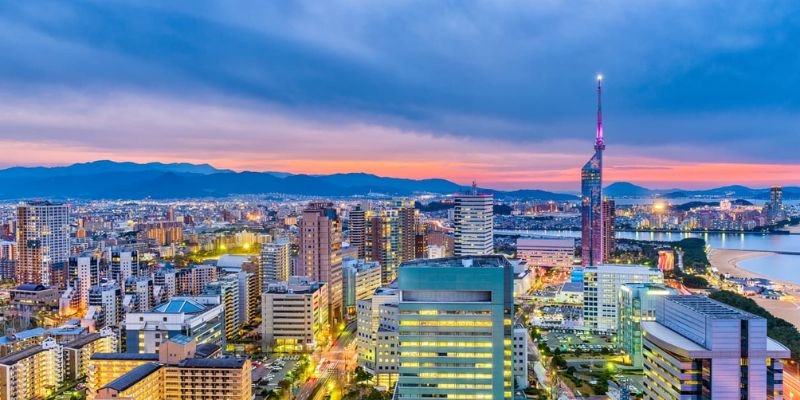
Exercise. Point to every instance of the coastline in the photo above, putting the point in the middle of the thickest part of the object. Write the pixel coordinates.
(726, 262)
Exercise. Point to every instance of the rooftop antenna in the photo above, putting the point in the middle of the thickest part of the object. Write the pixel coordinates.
(599, 144)
(474, 188)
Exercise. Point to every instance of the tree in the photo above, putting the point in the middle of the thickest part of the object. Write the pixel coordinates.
(361, 375)
(694, 281)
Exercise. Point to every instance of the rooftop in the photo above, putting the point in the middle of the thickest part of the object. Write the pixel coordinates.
(134, 376)
(622, 268)
(180, 339)
(710, 308)
(231, 363)
(125, 356)
(487, 261)
(205, 350)
(83, 341)
(15, 357)
(181, 306)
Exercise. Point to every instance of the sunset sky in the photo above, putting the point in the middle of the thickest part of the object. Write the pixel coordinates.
(697, 94)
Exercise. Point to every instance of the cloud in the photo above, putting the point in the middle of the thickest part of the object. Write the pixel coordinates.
(684, 85)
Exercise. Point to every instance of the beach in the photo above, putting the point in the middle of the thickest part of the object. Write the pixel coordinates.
(726, 262)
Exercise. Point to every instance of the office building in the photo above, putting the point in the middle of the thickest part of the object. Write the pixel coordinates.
(592, 224)
(43, 242)
(377, 342)
(361, 278)
(637, 303)
(320, 254)
(601, 287)
(275, 261)
(698, 348)
(144, 332)
(474, 219)
(455, 328)
(294, 314)
(547, 253)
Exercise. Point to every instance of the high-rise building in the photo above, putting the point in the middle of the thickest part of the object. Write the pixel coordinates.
(456, 328)
(609, 218)
(124, 264)
(33, 373)
(637, 303)
(275, 261)
(320, 255)
(474, 219)
(601, 287)
(775, 210)
(357, 229)
(106, 299)
(42, 242)
(698, 348)
(592, 235)
(390, 237)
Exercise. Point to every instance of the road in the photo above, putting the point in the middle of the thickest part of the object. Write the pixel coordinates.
(338, 361)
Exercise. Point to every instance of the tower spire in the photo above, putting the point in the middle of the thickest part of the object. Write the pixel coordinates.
(599, 144)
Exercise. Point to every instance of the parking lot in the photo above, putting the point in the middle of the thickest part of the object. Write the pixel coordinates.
(584, 342)
(269, 371)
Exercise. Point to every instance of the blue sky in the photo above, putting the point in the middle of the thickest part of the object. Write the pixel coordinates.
(500, 91)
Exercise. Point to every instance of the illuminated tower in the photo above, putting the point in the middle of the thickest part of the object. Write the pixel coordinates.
(592, 238)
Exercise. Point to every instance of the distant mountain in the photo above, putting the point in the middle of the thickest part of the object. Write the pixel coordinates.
(126, 180)
(626, 189)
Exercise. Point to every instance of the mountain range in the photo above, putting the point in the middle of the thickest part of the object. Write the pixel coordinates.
(127, 180)
(629, 190)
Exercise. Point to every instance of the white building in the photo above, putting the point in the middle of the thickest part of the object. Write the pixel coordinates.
(293, 314)
(107, 299)
(361, 278)
(698, 348)
(474, 219)
(436, 251)
(519, 357)
(548, 253)
(601, 286)
(376, 335)
(275, 261)
(145, 331)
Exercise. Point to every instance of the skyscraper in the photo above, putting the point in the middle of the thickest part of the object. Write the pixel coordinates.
(474, 219)
(390, 237)
(357, 229)
(775, 211)
(609, 218)
(456, 328)
(320, 257)
(592, 238)
(42, 241)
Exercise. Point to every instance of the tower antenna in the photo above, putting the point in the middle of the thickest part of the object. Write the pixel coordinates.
(599, 144)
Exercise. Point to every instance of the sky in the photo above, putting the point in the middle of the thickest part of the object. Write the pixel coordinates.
(696, 94)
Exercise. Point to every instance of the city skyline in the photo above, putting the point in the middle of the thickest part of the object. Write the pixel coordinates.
(259, 88)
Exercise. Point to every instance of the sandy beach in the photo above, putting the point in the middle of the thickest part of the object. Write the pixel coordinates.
(726, 262)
